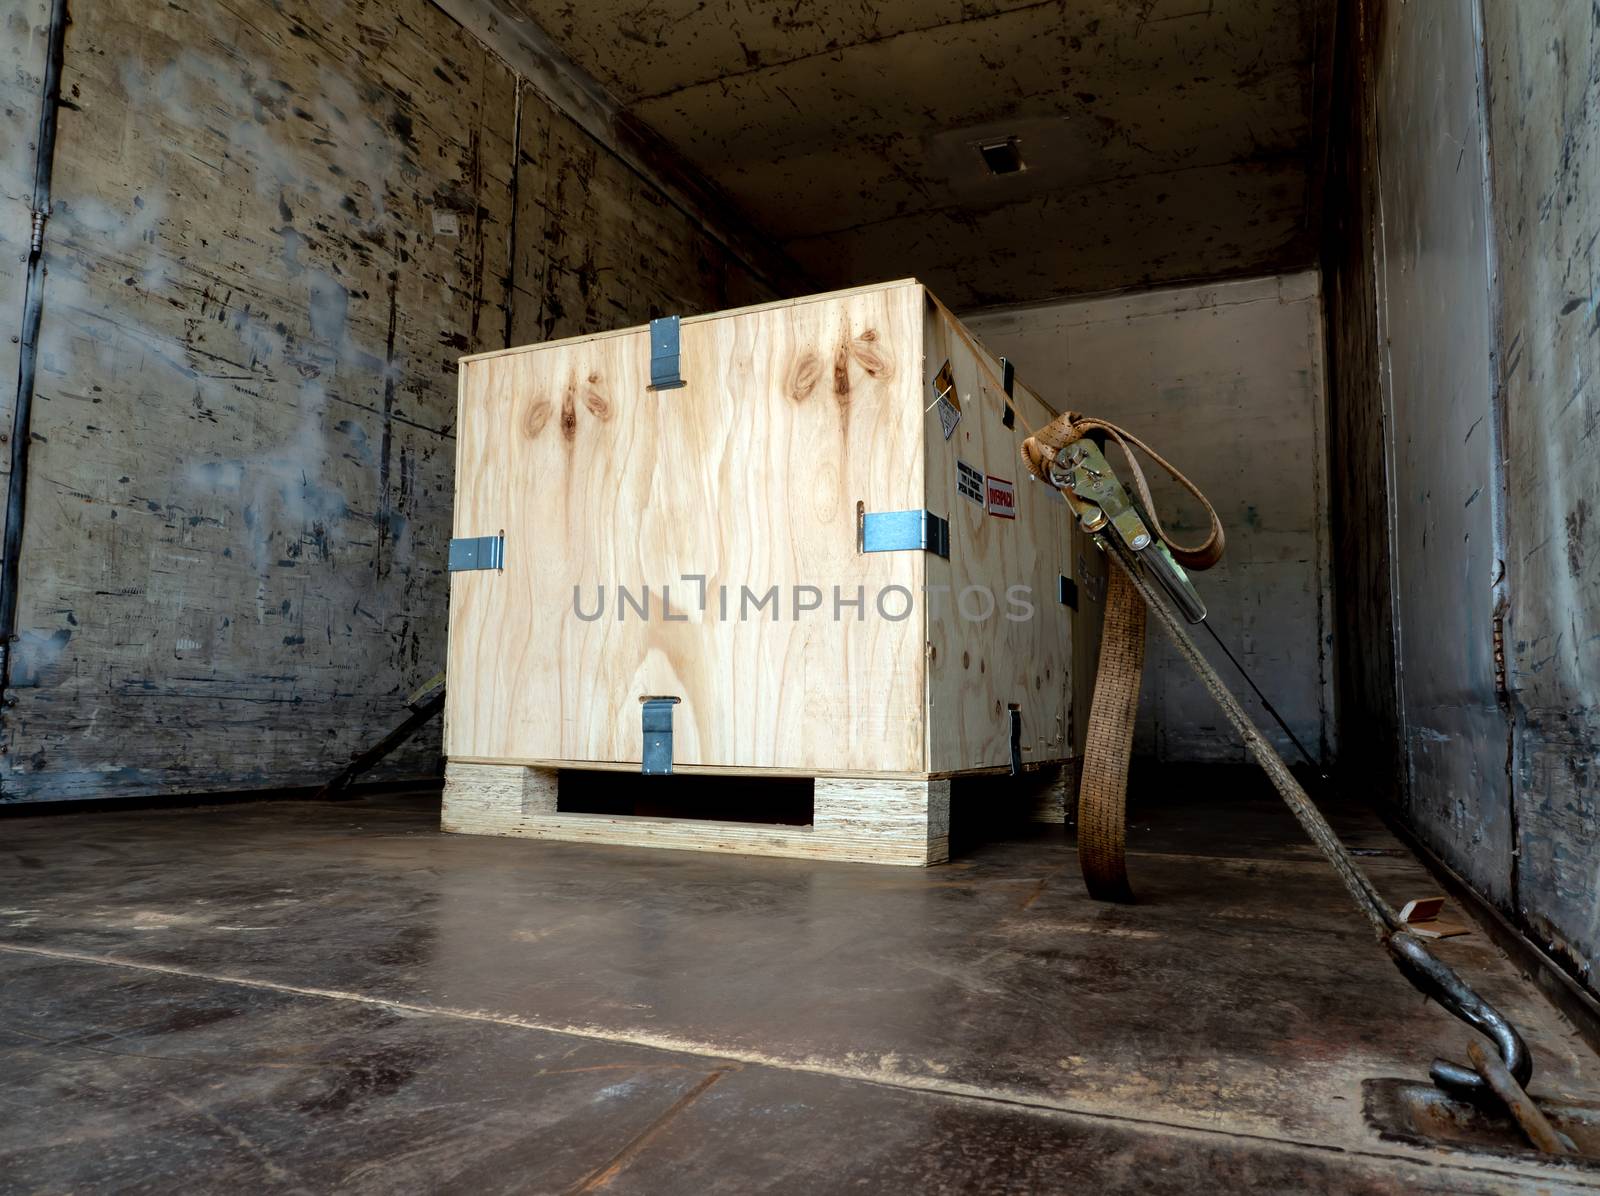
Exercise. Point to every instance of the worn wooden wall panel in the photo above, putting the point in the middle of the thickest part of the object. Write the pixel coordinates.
(1226, 380)
(1437, 365)
(24, 29)
(1544, 104)
(277, 227)
(598, 247)
(1482, 122)
(270, 242)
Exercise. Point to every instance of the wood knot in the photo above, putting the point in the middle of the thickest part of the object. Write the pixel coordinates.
(599, 406)
(538, 415)
(870, 357)
(569, 414)
(841, 374)
(804, 378)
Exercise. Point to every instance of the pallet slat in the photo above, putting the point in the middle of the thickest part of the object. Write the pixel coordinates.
(879, 821)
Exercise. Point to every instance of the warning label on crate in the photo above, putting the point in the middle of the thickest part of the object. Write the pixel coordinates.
(969, 481)
(946, 399)
(1002, 497)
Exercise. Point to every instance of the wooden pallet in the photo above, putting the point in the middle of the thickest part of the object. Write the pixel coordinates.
(877, 820)
(1054, 793)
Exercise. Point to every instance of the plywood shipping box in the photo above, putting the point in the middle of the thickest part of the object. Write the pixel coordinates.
(818, 556)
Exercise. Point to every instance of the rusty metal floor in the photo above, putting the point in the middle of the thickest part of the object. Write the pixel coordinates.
(283, 996)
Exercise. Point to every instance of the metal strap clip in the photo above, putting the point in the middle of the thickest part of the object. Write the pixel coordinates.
(896, 531)
(477, 552)
(664, 354)
(656, 725)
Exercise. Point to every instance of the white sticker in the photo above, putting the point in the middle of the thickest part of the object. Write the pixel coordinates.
(1002, 497)
(969, 482)
(446, 224)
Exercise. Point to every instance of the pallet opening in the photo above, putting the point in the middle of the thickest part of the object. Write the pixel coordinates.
(770, 801)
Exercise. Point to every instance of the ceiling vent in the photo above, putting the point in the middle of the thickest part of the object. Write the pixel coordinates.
(1001, 157)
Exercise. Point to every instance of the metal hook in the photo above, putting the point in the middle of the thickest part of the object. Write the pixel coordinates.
(1434, 979)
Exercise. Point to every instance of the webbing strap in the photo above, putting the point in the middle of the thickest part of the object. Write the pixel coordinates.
(1103, 792)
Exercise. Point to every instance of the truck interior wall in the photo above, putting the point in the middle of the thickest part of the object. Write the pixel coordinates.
(1543, 92)
(1462, 330)
(276, 226)
(1366, 697)
(1226, 381)
(23, 49)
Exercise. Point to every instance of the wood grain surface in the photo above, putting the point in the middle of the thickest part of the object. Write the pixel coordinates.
(750, 477)
(796, 416)
(998, 634)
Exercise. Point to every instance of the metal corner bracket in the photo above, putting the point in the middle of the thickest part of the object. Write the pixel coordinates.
(477, 552)
(665, 354)
(898, 531)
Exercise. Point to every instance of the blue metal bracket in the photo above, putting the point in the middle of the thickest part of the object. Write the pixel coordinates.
(477, 552)
(656, 724)
(898, 531)
(664, 354)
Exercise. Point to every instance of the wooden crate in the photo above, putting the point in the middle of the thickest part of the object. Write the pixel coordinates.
(798, 425)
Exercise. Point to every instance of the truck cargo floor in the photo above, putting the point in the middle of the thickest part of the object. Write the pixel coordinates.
(281, 996)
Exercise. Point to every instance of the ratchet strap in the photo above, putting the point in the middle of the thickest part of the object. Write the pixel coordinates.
(1103, 792)
(1102, 843)
(1040, 449)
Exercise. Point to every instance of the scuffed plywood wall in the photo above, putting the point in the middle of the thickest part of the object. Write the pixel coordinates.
(595, 246)
(23, 38)
(276, 227)
(1226, 381)
(1544, 122)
